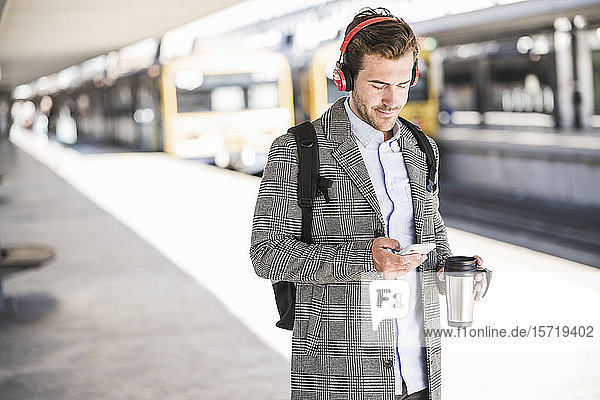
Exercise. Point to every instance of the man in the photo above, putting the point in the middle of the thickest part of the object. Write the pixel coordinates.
(378, 203)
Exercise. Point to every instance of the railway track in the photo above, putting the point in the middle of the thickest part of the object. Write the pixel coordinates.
(562, 230)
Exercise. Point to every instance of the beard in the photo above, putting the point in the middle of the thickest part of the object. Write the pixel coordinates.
(371, 116)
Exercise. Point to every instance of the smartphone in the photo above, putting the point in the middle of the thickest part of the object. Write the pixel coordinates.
(420, 248)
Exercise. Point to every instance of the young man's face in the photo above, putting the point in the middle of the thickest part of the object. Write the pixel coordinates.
(381, 90)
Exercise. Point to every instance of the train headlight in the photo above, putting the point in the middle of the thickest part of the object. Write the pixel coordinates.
(143, 116)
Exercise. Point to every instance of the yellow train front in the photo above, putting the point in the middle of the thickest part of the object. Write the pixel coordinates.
(226, 106)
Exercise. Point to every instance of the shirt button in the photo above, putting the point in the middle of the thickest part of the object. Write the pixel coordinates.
(388, 363)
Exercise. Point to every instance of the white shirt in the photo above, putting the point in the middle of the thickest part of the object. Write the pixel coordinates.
(387, 170)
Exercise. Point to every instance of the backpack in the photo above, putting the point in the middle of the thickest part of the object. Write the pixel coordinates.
(309, 184)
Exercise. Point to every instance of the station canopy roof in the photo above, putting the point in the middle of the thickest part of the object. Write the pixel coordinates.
(43, 37)
(39, 37)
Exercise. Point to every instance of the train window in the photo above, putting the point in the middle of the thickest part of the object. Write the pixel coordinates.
(189, 101)
(459, 97)
(83, 104)
(124, 94)
(228, 92)
(263, 95)
(121, 96)
(227, 98)
(146, 94)
(518, 84)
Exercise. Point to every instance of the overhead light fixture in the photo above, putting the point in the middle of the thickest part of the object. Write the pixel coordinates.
(524, 44)
(579, 22)
(562, 24)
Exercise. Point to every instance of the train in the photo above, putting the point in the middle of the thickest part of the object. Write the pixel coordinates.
(226, 106)
(220, 104)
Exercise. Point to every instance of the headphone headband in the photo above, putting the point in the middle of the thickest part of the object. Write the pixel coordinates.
(358, 27)
(342, 77)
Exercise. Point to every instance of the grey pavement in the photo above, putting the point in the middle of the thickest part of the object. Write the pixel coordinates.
(111, 317)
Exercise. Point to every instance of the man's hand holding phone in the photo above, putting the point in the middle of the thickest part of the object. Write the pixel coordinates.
(392, 261)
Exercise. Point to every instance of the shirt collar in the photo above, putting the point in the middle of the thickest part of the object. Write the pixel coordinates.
(364, 132)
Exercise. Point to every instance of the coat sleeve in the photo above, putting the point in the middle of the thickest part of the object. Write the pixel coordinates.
(276, 250)
(441, 238)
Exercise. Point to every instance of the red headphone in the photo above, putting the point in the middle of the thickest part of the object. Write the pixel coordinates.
(341, 74)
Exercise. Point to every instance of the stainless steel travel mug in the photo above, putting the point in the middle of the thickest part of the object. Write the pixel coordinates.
(460, 289)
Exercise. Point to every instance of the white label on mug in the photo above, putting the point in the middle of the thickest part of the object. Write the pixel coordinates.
(389, 299)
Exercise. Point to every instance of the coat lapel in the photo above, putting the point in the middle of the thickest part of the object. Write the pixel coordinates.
(348, 155)
(337, 128)
(349, 158)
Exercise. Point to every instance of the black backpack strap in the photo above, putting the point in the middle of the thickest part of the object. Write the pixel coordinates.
(308, 173)
(285, 299)
(426, 148)
(309, 182)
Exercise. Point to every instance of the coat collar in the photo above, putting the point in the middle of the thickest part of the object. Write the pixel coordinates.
(336, 127)
(365, 133)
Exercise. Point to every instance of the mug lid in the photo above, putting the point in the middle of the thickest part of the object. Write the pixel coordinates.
(460, 264)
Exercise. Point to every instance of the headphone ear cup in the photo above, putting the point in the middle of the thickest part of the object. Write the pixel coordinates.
(415, 74)
(349, 78)
(339, 78)
(342, 78)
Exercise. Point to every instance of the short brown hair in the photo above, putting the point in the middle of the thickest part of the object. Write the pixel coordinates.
(389, 39)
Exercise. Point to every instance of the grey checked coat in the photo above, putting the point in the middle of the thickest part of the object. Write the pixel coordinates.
(335, 352)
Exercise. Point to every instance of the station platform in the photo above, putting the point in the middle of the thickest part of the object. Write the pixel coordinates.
(112, 317)
(152, 294)
(584, 141)
(546, 165)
